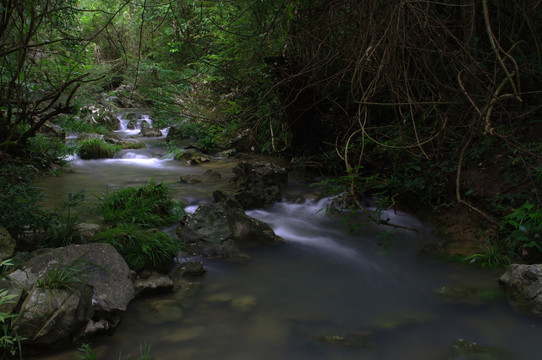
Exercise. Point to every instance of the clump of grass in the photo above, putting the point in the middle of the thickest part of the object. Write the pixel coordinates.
(147, 206)
(63, 227)
(64, 276)
(97, 149)
(77, 125)
(10, 342)
(141, 249)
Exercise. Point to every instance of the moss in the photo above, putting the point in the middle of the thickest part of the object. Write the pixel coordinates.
(97, 149)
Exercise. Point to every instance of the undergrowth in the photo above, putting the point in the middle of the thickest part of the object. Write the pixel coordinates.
(141, 249)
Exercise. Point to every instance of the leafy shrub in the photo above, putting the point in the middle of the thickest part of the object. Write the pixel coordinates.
(147, 206)
(97, 149)
(20, 210)
(43, 151)
(204, 134)
(10, 342)
(523, 230)
(141, 249)
(77, 125)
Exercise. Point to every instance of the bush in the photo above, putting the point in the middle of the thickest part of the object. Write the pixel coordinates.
(97, 149)
(20, 210)
(141, 250)
(43, 151)
(77, 125)
(147, 206)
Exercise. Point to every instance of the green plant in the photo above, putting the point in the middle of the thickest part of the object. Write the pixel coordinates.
(87, 353)
(64, 276)
(522, 229)
(21, 210)
(10, 342)
(148, 206)
(62, 229)
(75, 124)
(44, 151)
(141, 249)
(97, 149)
(494, 254)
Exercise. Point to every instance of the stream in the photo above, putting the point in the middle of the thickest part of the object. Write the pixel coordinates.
(326, 293)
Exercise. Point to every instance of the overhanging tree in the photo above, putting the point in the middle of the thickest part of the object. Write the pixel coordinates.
(40, 66)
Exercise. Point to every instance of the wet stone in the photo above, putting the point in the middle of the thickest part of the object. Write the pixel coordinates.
(162, 311)
(393, 321)
(349, 339)
(244, 303)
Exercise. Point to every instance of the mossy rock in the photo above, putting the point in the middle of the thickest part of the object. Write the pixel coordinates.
(97, 149)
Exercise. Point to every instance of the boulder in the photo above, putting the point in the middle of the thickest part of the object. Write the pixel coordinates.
(54, 316)
(192, 157)
(86, 231)
(222, 228)
(188, 269)
(101, 114)
(7, 244)
(522, 285)
(153, 284)
(148, 132)
(259, 184)
(70, 290)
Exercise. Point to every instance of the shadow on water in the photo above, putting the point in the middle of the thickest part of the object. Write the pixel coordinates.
(324, 294)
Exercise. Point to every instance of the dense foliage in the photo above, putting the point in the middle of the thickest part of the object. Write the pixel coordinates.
(424, 105)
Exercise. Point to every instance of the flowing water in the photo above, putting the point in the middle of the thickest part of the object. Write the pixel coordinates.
(306, 298)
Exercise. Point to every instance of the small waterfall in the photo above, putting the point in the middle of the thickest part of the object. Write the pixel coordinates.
(123, 123)
(144, 118)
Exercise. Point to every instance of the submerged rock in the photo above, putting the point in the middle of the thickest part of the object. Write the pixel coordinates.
(467, 295)
(244, 303)
(350, 339)
(209, 175)
(522, 285)
(469, 350)
(393, 321)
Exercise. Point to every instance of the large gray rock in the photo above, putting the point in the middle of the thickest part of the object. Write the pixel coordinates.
(192, 157)
(259, 184)
(222, 228)
(523, 287)
(148, 131)
(54, 316)
(7, 244)
(69, 290)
